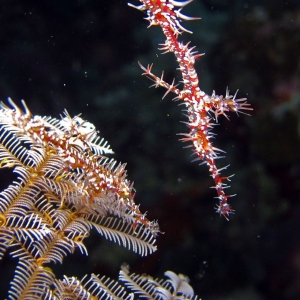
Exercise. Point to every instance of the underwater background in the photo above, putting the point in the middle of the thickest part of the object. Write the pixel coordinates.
(82, 55)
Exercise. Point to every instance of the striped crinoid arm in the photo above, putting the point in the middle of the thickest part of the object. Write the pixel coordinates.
(65, 186)
(202, 109)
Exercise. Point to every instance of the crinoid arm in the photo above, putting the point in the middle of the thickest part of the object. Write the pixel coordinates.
(65, 186)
